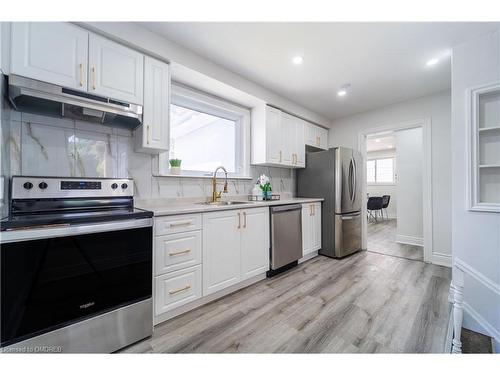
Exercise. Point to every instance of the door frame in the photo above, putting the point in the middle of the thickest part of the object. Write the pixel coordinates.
(425, 124)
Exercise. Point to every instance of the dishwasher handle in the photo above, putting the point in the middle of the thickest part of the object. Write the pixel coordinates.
(287, 207)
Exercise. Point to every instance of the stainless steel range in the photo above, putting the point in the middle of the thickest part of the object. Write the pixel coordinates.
(76, 266)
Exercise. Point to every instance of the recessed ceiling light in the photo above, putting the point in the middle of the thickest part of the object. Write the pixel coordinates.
(377, 140)
(343, 89)
(341, 92)
(432, 62)
(297, 60)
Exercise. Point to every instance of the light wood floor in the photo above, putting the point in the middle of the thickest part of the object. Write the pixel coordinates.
(382, 239)
(365, 303)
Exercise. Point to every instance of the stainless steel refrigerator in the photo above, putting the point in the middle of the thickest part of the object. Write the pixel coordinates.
(335, 175)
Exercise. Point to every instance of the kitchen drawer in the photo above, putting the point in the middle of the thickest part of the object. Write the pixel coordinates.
(176, 251)
(177, 288)
(177, 224)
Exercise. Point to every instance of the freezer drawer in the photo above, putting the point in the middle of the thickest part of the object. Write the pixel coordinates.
(347, 234)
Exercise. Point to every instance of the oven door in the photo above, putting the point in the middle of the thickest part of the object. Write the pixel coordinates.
(55, 277)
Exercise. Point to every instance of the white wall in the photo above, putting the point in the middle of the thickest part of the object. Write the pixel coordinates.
(437, 107)
(377, 190)
(475, 235)
(409, 156)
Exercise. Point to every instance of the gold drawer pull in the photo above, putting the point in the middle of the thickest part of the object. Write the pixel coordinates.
(239, 220)
(175, 291)
(183, 224)
(180, 252)
(81, 75)
(93, 78)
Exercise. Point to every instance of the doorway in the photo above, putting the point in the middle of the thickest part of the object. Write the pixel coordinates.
(397, 217)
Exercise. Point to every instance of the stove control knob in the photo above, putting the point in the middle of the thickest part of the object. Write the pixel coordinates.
(124, 186)
(114, 185)
(27, 185)
(42, 185)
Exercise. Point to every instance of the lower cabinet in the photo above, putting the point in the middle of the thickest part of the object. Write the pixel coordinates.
(311, 227)
(235, 247)
(177, 288)
(196, 255)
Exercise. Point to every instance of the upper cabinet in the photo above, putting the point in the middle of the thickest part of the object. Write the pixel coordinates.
(55, 52)
(115, 71)
(64, 54)
(279, 138)
(316, 136)
(153, 135)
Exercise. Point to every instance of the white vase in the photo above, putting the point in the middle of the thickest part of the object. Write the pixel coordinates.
(175, 170)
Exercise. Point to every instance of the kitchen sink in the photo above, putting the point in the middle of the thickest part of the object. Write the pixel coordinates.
(224, 203)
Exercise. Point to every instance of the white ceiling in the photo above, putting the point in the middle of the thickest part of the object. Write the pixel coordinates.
(380, 143)
(383, 62)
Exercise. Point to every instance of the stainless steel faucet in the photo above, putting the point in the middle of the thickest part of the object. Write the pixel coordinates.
(216, 196)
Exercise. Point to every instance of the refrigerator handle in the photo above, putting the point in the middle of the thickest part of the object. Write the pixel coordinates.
(354, 178)
(351, 179)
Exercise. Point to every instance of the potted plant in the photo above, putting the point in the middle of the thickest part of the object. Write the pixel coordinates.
(175, 166)
(265, 185)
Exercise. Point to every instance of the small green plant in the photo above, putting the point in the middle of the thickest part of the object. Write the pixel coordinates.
(175, 162)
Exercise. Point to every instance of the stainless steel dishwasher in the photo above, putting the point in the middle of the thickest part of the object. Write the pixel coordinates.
(286, 237)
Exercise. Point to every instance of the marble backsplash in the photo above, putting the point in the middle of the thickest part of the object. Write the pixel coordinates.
(45, 146)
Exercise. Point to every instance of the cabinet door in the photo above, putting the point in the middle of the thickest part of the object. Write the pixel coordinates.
(115, 71)
(254, 242)
(310, 134)
(288, 138)
(322, 138)
(306, 228)
(154, 132)
(54, 52)
(300, 146)
(274, 149)
(221, 250)
(316, 227)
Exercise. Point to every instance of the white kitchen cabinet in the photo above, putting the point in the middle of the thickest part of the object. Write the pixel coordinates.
(277, 138)
(311, 227)
(316, 136)
(115, 71)
(177, 288)
(254, 242)
(221, 250)
(177, 251)
(235, 247)
(153, 135)
(54, 52)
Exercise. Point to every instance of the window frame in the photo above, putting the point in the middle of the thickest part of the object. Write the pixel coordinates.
(190, 98)
(376, 183)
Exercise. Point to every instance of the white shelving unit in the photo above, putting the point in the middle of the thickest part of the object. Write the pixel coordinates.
(484, 151)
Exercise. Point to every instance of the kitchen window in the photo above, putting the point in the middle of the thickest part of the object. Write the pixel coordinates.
(206, 132)
(380, 171)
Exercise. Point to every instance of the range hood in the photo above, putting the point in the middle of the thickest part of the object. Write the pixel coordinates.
(29, 95)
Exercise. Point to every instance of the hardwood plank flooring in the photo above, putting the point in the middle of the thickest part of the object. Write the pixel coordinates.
(365, 303)
(382, 239)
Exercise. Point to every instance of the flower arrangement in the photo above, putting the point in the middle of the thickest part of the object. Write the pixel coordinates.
(265, 185)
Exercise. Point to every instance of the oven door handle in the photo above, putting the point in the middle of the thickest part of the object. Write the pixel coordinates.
(72, 230)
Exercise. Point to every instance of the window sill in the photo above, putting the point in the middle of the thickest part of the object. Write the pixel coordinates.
(219, 175)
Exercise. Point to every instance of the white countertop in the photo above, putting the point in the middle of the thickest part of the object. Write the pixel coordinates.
(164, 207)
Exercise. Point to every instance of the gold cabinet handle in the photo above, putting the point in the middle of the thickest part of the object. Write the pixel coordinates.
(281, 153)
(244, 219)
(180, 224)
(180, 252)
(147, 134)
(93, 78)
(81, 75)
(239, 220)
(175, 291)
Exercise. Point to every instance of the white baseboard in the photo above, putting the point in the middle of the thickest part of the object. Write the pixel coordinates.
(308, 256)
(441, 259)
(409, 240)
(471, 314)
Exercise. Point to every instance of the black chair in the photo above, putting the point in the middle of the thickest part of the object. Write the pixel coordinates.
(374, 205)
(385, 203)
